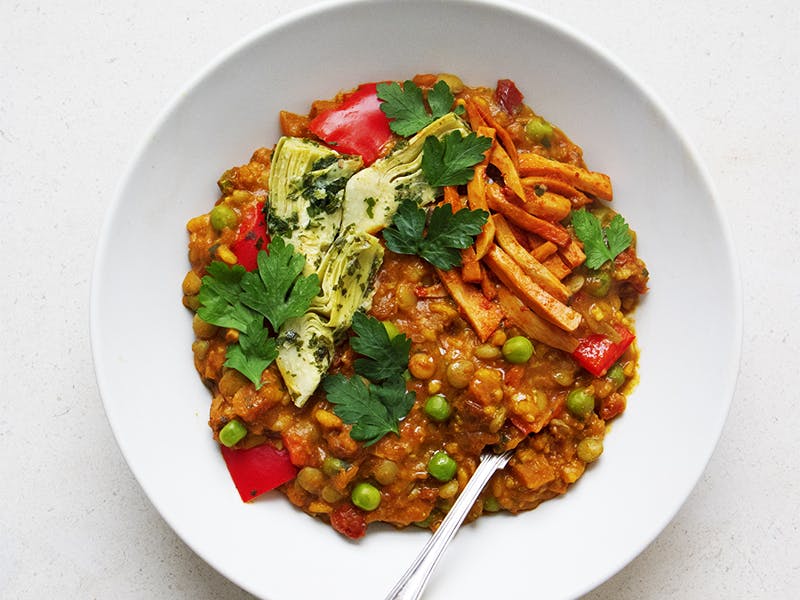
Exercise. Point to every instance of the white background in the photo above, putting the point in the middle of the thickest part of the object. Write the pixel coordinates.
(79, 84)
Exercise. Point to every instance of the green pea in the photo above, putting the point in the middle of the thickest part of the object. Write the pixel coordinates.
(223, 216)
(332, 466)
(311, 479)
(438, 408)
(598, 284)
(616, 375)
(442, 467)
(426, 522)
(590, 449)
(580, 403)
(539, 130)
(491, 504)
(366, 496)
(232, 433)
(386, 472)
(391, 329)
(225, 182)
(518, 349)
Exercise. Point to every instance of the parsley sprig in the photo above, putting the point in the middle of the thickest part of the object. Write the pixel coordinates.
(374, 408)
(447, 232)
(385, 358)
(405, 106)
(450, 161)
(600, 244)
(234, 298)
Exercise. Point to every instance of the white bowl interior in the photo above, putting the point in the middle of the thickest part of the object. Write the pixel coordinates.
(689, 327)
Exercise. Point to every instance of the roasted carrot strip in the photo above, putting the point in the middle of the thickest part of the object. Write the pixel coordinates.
(483, 315)
(544, 251)
(547, 205)
(597, 184)
(556, 266)
(500, 159)
(474, 117)
(488, 286)
(532, 325)
(489, 132)
(532, 267)
(558, 186)
(470, 267)
(534, 297)
(502, 132)
(476, 197)
(549, 231)
(572, 255)
(452, 198)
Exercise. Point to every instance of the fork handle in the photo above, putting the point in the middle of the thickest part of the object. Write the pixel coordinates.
(413, 581)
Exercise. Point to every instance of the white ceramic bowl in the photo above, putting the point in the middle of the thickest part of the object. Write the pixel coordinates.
(689, 326)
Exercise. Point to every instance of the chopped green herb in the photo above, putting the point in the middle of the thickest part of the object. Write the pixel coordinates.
(450, 161)
(406, 108)
(600, 244)
(447, 233)
(370, 206)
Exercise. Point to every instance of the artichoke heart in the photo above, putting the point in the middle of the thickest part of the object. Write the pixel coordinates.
(305, 352)
(346, 276)
(373, 194)
(306, 184)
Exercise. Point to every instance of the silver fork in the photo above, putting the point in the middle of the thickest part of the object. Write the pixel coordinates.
(416, 577)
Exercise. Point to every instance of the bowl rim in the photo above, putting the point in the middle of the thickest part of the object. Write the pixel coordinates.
(318, 10)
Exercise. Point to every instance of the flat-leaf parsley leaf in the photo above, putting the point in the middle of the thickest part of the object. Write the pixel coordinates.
(219, 297)
(373, 410)
(253, 353)
(234, 298)
(384, 357)
(600, 244)
(276, 289)
(447, 233)
(450, 161)
(405, 106)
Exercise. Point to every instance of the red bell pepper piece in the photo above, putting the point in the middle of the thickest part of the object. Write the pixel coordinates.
(357, 126)
(258, 469)
(251, 236)
(596, 353)
(508, 95)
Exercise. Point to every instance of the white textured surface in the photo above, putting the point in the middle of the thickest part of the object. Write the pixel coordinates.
(78, 86)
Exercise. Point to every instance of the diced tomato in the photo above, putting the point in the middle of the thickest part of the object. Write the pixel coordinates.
(357, 126)
(295, 439)
(612, 406)
(258, 470)
(522, 424)
(251, 236)
(513, 375)
(596, 353)
(508, 96)
(349, 521)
